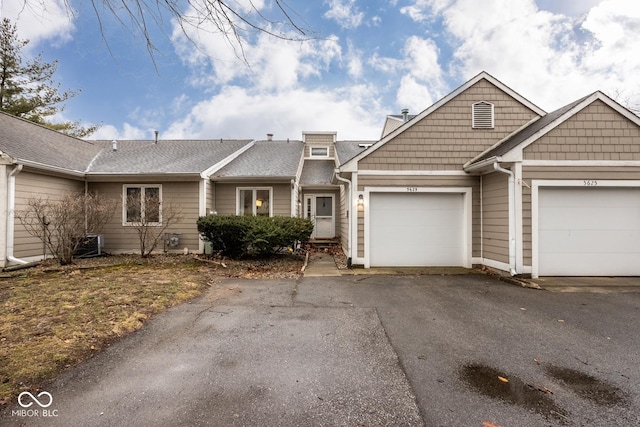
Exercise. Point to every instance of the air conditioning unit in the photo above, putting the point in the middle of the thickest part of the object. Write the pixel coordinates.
(89, 246)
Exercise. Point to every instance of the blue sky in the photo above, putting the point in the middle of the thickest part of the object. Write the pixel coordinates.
(366, 59)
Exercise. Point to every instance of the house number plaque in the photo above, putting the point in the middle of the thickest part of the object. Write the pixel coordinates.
(412, 189)
(590, 183)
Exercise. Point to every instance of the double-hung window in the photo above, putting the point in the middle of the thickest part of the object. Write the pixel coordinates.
(142, 204)
(255, 201)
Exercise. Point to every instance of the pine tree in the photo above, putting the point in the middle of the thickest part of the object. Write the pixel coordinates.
(27, 89)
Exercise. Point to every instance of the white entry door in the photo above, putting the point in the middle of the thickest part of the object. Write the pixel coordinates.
(320, 209)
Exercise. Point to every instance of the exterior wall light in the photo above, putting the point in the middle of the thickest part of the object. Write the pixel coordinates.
(360, 200)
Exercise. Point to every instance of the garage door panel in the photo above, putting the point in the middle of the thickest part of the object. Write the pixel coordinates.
(591, 265)
(589, 231)
(592, 241)
(589, 218)
(424, 229)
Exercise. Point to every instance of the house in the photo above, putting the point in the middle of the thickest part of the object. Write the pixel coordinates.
(485, 177)
(481, 177)
(196, 177)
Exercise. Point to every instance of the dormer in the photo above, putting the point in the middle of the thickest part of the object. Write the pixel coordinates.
(319, 145)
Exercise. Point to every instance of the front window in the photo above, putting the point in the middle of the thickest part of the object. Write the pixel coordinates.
(254, 201)
(142, 204)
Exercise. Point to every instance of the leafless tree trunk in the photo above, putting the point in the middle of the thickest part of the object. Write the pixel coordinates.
(61, 224)
(150, 218)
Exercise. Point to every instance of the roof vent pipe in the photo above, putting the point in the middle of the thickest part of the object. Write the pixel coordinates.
(156, 132)
(405, 114)
(269, 137)
(114, 145)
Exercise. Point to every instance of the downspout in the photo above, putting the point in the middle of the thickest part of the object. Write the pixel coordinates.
(11, 205)
(294, 201)
(512, 217)
(339, 178)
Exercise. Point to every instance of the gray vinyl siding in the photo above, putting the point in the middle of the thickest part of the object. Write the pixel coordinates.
(225, 197)
(495, 217)
(342, 219)
(598, 132)
(321, 138)
(563, 173)
(424, 181)
(29, 185)
(445, 140)
(180, 196)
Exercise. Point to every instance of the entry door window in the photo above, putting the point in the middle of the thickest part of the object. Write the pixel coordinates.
(324, 206)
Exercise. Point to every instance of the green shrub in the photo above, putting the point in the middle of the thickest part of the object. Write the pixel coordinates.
(227, 233)
(253, 235)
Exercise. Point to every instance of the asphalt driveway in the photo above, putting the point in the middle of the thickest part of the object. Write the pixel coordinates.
(365, 350)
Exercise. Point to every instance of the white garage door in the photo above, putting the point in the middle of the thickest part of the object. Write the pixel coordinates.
(416, 229)
(589, 231)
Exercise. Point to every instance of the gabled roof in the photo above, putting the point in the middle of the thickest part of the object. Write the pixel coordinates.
(266, 159)
(317, 172)
(163, 157)
(346, 150)
(31, 144)
(393, 122)
(529, 134)
(350, 165)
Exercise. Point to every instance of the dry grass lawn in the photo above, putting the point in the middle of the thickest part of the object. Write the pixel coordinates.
(53, 318)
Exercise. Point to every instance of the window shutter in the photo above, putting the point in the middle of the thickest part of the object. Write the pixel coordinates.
(482, 115)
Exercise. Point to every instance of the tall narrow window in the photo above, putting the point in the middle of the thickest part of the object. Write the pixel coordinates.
(142, 204)
(482, 115)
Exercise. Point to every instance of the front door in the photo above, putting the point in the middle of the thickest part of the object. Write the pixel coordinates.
(319, 208)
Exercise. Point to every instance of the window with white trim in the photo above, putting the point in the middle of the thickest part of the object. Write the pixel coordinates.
(482, 115)
(141, 204)
(319, 152)
(255, 201)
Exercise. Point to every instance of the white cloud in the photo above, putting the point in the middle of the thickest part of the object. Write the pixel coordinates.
(552, 59)
(271, 62)
(38, 21)
(569, 8)
(418, 73)
(424, 10)
(241, 113)
(127, 132)
(345, 13)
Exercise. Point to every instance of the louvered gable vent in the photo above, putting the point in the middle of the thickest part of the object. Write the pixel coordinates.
(482, 115)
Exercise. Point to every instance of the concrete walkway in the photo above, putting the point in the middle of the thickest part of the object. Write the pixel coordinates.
(321, 264)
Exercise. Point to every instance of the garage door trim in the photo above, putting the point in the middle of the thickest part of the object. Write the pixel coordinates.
(467, 210)
(535, 219)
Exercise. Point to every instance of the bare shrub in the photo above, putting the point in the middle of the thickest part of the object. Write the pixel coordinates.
(150, 218)
(61, 224)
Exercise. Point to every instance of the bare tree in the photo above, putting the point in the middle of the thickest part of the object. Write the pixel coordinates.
(150, 217)
(230, 19)
(63, 223)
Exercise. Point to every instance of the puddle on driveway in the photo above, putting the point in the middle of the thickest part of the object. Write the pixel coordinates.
(485, 380)
(586, 386)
